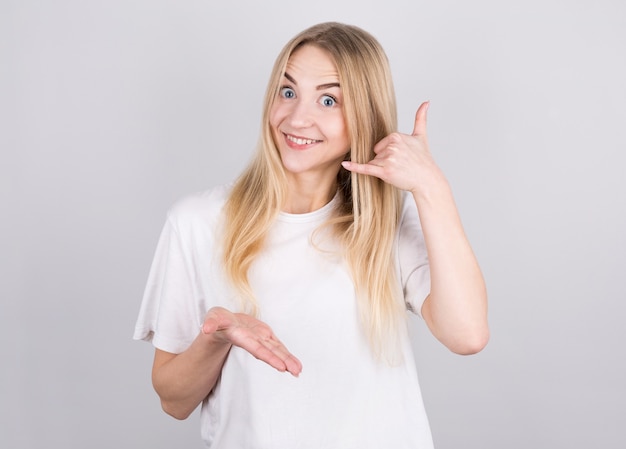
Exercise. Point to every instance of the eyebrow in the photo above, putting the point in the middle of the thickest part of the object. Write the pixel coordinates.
(320, 87)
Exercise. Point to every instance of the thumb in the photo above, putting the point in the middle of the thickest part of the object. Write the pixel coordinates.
(210, 325)
(420, 119)
(216, 319)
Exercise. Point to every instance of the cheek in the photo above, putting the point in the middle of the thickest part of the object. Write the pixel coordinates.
(276, 115)
(272, 117)
(340, 130)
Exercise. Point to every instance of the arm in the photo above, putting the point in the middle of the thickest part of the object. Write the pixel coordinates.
(183, 380)
(456, 309)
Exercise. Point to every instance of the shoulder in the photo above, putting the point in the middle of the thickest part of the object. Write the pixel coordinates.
(200, 207)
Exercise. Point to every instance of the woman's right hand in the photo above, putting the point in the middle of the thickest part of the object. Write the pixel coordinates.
(251, 334)
(183, 380)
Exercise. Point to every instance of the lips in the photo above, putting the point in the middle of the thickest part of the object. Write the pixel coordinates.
(300, 141)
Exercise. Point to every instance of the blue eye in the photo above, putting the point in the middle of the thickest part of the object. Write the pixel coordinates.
(328, 101)
(287, 92)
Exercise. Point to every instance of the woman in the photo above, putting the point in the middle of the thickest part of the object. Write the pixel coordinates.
(279, 302)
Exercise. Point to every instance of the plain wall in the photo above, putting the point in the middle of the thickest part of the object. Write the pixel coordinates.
(110, 111)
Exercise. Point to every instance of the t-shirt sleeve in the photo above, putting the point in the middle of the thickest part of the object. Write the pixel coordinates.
(413, 258)
(168, 316)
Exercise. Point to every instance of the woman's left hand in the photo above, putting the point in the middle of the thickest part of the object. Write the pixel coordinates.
(456, 308)
(402, 160)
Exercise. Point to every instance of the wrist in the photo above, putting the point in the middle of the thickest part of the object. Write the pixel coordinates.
(432, 190)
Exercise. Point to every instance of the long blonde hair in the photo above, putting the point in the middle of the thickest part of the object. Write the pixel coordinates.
(366, 218)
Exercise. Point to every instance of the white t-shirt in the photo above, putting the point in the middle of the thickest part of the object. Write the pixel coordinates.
(344, 398)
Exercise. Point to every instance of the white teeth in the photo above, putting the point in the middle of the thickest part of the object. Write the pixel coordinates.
(299, 141)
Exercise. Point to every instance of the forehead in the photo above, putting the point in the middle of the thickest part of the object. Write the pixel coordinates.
(312, 61)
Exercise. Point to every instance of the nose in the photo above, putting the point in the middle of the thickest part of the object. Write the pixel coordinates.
(300, 114)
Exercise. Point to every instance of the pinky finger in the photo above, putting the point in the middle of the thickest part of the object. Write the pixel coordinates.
(363, 169)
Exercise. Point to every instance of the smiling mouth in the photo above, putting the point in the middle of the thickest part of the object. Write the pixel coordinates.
(300, 140)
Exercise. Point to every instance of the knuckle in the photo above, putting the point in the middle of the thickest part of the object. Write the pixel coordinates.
(395, 137)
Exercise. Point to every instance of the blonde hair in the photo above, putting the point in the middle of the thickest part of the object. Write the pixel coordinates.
(366, 218)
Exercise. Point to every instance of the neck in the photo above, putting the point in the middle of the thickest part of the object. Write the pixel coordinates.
(301, 200)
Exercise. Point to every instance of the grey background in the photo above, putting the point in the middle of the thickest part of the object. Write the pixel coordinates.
(109, 111)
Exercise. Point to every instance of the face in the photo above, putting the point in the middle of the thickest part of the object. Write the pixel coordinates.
(307, 118)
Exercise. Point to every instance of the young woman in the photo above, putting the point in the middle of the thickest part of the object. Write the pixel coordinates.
(279, 302)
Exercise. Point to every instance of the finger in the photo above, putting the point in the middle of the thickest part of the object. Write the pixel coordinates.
(276, 355)
(212, 324)
(364, 169)
(385, 142)
(209, 326)
(216, 319)
(419, 129)
(264, 354)
(292, 364)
